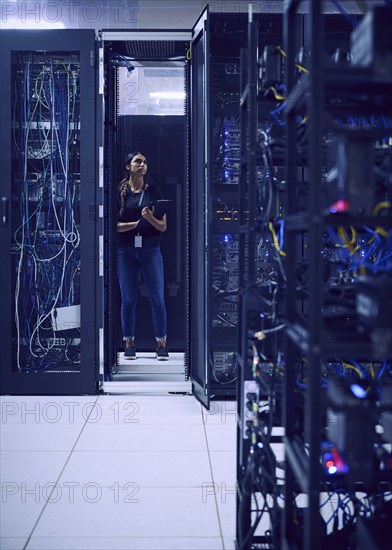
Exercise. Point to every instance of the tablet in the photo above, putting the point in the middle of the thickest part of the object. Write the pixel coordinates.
(160, 207)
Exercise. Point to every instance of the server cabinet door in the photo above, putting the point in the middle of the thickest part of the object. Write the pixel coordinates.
(199, 352)
(47, 232)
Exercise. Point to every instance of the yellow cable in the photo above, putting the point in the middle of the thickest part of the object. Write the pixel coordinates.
(349, 366)
(380, 206)
(344, 237)
(189, 52)
(274, 237)
(348, 244)
(373, 377)
(305, 119)
(372, 370)
(353, 235)
(277, 96)
(381, 231)
(300, 67)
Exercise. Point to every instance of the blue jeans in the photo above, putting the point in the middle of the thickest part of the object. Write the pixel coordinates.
(149, 260)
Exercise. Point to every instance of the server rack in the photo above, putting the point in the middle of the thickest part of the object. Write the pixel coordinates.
(249, 304)
(49, 260)
(334, 355)
(214, 208)
(215, 176)
(262, 285)
(328, 330)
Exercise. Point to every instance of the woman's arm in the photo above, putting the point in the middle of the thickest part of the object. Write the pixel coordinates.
(148, 215)
(126, 226)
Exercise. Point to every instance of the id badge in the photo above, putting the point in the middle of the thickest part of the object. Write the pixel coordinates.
(138, 241)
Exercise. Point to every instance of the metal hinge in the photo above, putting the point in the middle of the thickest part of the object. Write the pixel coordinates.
(92, 58)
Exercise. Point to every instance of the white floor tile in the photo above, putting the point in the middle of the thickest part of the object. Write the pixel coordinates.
(139, 478)
(39, 437)
(31, 467)
(47, 410)
(125, 543)
(147, 469)
(278, 450)
(223, 413)
(221, 437)
(19, 512)
(223, 465)
(12, 543)
(129, 409)
(130, 512)
(264, 525)
(226, 501)
(229, 543)
(136, 437)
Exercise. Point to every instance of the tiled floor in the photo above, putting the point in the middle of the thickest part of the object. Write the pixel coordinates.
(135, 472)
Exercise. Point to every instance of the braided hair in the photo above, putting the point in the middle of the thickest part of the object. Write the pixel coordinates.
(124, 183)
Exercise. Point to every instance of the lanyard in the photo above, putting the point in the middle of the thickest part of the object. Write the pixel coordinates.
(141, 197)
(138, 239)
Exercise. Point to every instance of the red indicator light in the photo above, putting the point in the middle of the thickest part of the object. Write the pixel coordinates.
(342, 205)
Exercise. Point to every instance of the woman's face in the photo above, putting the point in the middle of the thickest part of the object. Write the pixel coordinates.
(138, 165)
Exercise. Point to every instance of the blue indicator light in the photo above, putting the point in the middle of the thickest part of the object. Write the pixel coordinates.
(358, 391)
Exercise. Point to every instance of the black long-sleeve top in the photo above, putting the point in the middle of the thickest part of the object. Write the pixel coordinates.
(132, 213)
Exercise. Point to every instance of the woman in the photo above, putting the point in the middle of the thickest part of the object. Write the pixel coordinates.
(139, 235)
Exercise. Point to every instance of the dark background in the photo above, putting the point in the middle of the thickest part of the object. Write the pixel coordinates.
(161, 140)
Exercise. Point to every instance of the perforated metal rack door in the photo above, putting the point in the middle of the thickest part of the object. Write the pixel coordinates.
(199, 215)
(49, 259)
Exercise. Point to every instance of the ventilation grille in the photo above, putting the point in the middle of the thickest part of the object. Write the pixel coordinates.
(151, 48)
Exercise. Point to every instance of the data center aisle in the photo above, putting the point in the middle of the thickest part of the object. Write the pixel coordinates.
(134, 472)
